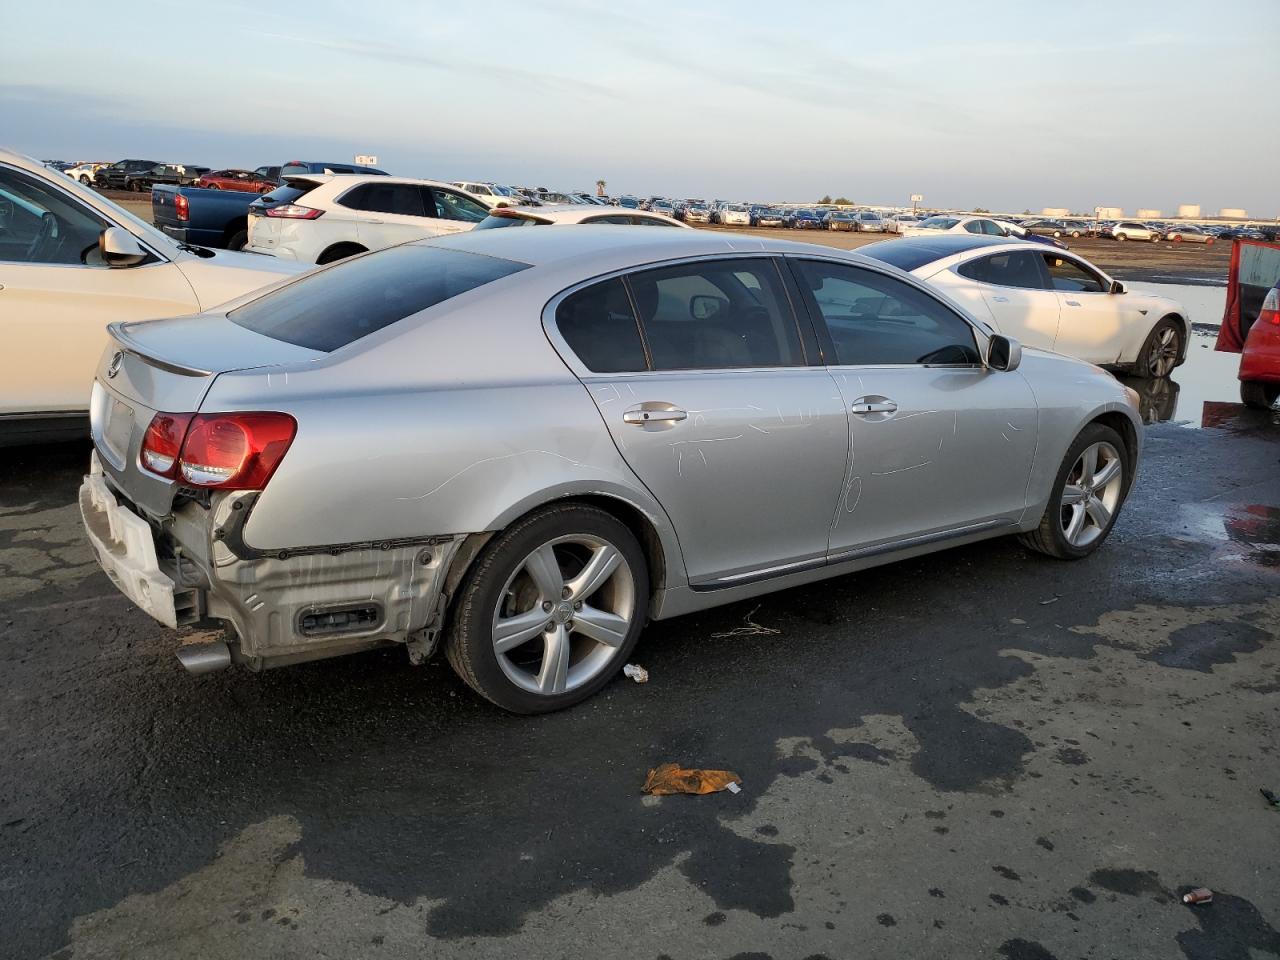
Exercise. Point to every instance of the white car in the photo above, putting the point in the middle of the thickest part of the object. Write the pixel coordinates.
(84, 172)
(946, 223)
(868, 221)
(490, 194)
(320, 218)
(1048, 298)
(72, 262)
(572, 213)
(735, 215)
(895, 222)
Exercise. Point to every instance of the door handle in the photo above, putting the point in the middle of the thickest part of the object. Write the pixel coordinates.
(1072, 303)
(655, 412)
(868, 405)
(1000, 299)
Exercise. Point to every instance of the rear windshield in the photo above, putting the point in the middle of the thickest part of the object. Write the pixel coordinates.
(331, 308)
(288, 193)
(494, 223)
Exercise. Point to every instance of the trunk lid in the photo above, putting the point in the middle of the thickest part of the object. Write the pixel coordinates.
(166, 366)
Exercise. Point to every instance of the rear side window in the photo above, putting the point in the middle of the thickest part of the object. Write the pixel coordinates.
(876, 319)
(717, 315)
(599, 326)
(333, 307)
(1007, 270)
(401, 199)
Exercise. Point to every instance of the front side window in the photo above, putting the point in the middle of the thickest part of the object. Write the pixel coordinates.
(1007, 270)
(599, 326)
(1066, 274)
(401, 199)
(717, 315)
(330, 308)
(454, 206)
(877, 319)
(41, 225)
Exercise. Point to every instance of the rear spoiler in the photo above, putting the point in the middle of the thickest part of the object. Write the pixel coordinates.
(117, 331)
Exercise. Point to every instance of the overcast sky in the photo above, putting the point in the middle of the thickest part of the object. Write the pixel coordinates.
(1007, 105)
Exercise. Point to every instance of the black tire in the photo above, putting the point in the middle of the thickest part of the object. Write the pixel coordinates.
(1157, 347)
(469, 646)
(84, 178)
(1121, 237)
(134, 186)
(1075, 234)
(1259, 395)
(238, 240)
(213, 186)
(340, 251)
(1048, 538)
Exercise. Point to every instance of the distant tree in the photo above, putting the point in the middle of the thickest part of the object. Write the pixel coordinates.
(600, 185)
(826, 199)
(981, 210)
(1026, 212)
(843, 201)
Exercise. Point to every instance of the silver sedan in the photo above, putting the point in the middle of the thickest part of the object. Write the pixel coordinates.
(519, 446)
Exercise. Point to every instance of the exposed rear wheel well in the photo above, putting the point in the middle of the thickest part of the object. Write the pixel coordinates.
(340, 251)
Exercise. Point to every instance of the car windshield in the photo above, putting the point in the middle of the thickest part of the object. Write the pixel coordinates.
(331, 308)
(939, 223)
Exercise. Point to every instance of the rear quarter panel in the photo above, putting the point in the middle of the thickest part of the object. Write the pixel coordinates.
(459, 424)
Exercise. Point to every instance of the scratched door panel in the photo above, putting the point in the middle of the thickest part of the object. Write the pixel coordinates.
(956, 451)
(750, 476)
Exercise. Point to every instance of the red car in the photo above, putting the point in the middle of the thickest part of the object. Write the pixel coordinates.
(1260, 358)
(244, 180)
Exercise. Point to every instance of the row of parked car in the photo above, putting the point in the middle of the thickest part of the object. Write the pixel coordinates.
(510, 443)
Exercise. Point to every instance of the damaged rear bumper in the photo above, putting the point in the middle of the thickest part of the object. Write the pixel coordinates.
(283, 607)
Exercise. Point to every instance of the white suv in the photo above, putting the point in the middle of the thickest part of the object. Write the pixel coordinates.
(490, 194)
(320, 218)
(1132, 230)
(72, 262)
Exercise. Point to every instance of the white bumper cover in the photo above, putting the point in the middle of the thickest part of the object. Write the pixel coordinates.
(126, 548)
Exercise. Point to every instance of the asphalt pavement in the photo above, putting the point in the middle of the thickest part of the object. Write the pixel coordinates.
(980, 753)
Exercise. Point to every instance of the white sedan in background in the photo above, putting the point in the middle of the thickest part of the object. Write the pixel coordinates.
(84, 172)
(72, 262)
(932, 226)
(490, 194)
(735, 215)
(320, 218)
(559, 214)
(1048, 298)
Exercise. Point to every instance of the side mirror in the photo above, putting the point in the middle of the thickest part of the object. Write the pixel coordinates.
(119, 248)
(1003, 353)
(1116, 287)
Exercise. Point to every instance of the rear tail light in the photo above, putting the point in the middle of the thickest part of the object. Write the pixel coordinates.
(163, 442)
(181, 207)
(292, 211)
(1271, 308)
(217, 451)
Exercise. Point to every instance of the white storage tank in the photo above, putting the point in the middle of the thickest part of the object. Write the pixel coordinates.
(1189, 211)
(1054, 213)
(1146, 213)
(1109, 213)
(1232, 213)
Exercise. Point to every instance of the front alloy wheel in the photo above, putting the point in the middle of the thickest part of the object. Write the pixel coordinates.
(550, 609)
(1086, 498)
(1091, 494)
(1161, 351)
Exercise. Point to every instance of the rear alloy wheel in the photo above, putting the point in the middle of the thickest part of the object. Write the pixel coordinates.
(1121, 237)
(1259, 395)
(1176, 238)
(551, 609)
(1087, 495)
(1161, 351)
(84, 178)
